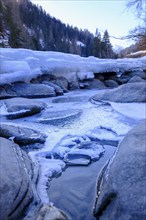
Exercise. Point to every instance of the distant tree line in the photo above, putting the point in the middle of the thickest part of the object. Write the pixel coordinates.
(29, 26)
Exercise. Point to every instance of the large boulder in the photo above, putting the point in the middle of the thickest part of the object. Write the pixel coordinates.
(27, 90)
(15, 173)
(18, 192)
(111, 83)
(7, 92)
(48, 79)
(123, 79)
(58, 89)
(130, 92)
(139, 73)
(136, 79)
(96, 84)
(33, 90)
(22, 107)
(121, 186)
(44, 77)
(21, 136)
(62, 82)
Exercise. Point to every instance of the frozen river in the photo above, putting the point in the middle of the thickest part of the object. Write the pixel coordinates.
(79, 132)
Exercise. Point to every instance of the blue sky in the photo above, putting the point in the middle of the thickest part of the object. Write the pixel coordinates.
(91, 14)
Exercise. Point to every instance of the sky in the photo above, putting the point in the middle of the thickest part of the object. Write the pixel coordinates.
(91, 14)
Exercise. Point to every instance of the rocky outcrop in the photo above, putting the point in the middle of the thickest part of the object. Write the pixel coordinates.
(141, 74)
(130, 92)
(96, 84)
(33, 90)
(121, 185)
(126, 76)
(7, 92)
(27, 90)
(136, 79)
(59, 84)
(58, 89)
(111, 83)
(62, 82)
(21, 136)
(16, 192)
(22, 107)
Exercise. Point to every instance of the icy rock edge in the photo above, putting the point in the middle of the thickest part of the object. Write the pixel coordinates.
(121, 183)
(18, 187)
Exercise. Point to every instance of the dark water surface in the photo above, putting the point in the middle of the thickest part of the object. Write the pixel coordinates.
(75, 190)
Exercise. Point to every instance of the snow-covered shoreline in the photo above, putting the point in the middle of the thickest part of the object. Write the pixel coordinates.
(24, 65)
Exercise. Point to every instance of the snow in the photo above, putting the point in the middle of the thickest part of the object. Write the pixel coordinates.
(110, 122)
(12, 70)
(42, 43)
(138, 52)
(25, 64)
(14, 66)
(79, 43)
(131, 110)
(47, 170)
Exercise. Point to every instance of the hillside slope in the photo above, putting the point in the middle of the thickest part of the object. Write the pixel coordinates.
(25, 25)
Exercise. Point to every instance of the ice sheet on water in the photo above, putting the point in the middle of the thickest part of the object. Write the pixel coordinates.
(59, 117)
(132, 110)
(104, 133)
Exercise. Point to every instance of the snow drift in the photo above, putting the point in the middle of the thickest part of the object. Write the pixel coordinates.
(25, 64)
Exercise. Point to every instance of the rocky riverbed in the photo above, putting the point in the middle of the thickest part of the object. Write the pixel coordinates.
(63, 114)
(70, 130)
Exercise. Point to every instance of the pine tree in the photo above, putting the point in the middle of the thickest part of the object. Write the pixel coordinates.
(106, 46)
(96, 46)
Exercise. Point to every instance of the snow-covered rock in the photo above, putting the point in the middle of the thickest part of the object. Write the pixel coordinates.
(135, 79)
(78, 150)
(27, 90)
(130, 92)
(21, 107)
(24, 65)
(20, 135)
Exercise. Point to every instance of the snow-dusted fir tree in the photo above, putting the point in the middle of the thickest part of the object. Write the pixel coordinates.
(107, 51)
(96, 48)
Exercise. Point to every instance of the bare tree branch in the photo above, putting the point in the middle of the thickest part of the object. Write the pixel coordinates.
(139, 6)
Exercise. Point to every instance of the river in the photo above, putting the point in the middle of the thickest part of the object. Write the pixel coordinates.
(73, 120)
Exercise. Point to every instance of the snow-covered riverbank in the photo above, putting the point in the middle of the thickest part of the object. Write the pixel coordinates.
(24, 65)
